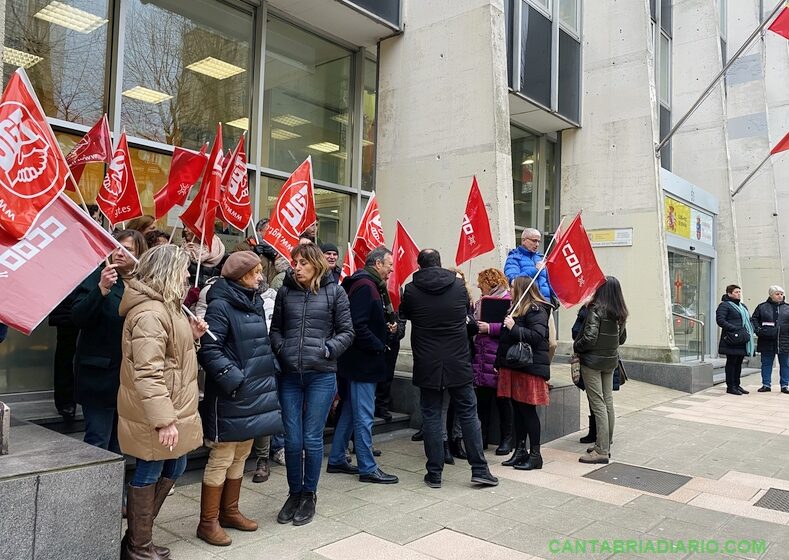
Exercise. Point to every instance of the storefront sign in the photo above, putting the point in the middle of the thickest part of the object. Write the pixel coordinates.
(611, 237)
(687, 222)
(701, 226)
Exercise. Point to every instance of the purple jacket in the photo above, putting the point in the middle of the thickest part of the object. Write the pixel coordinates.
(485, 345)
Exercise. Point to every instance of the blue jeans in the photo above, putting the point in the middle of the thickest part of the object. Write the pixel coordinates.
(277, 442)
(356, 418)
(767, 368)
(305, 399)
(148, 472)
(101, 427)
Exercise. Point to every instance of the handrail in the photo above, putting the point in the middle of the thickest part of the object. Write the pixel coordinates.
(703, 333)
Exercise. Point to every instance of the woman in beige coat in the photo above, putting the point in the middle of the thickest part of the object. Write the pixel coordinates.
(158, 423)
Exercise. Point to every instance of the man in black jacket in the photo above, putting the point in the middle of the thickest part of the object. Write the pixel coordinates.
(363, 365)
(436, 303)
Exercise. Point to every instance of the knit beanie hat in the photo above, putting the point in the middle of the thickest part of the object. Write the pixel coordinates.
(326, 247)
(239, 263)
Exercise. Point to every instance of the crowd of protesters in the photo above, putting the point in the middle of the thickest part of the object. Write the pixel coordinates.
(276, 347)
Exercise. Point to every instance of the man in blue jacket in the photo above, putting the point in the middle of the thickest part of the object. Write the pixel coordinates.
(526, 260)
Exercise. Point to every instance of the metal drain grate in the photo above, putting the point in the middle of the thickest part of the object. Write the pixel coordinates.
(639, 478)
(774, 499)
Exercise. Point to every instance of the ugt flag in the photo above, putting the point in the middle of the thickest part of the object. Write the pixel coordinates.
(475, 236)
(369, 234)
(293, 212)
(348, 267)
(39, 271)
(405, 253)
(118, 198)
(33, 170)
(185, 170)
(95, 146)
(572, 267)
(234, 201)
(200, 215)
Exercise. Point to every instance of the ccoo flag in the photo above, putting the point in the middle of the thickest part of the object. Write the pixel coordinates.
(185, 170)
(118, 198)
(94, 147)
(572, 267)
(475, 236)
(293, 212)
(234, 201)
(405, 254)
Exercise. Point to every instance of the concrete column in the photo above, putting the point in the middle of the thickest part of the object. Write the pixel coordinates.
(609, 170)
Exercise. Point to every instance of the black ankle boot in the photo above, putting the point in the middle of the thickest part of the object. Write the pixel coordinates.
(456, 448)
(306, 510)
(519, 455)
(448, 458)
(505, 447)
(592, 435)
(534, 460)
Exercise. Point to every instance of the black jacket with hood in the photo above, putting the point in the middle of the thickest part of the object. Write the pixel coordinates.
(436, 303)
(772, 338)
(310, 331)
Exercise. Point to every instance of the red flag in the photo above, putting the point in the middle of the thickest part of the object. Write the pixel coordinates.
(405, 253)
(200, 215)
(95, 146)
(781, 146)
(475, 236)
(235, 205)
(185, 169)
(348, 265)
(369, 234)
(780, 24)
(33, 170)
(293, 212)
(118, 198)
(39, 271)
(572, 267)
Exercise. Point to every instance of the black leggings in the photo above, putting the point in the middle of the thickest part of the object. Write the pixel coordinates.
(733, 370)
(527, 423)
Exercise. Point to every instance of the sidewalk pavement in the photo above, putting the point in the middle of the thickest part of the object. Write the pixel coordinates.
(733, 448)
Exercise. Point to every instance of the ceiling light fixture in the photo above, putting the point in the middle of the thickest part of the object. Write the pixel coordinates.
(20, 58)
(527, 162)
(148, 95)
(70, 17)
(325, 147)
(282, 134)
(290, 120)
(242, 123)
(342, 118)
(340, 155)
(215, 68)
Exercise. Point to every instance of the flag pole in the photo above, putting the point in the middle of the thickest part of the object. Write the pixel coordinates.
(172, 234)
(720, 75)
(750, 175)
(254, 231)
(200, 254)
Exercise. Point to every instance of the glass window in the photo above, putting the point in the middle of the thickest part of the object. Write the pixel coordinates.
(186, 66)
(385, 9)
(665, 16)
(665, 127)
(307, 103)
(568, 14)
(92, 176)
(508, 38)
(369, 124)
(551, 192)
(569, 77)
(536, 56)
(665, 70)
(545, 4)
(722, 15)
(524, 176)
(653, 9)
(63, 48)
(26, 361)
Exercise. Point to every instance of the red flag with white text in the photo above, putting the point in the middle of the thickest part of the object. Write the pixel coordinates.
(200, 215)
(118, 198)
(185, 170)
(405, 253)
(58, 253)
(94, 147)
(348, 266)
(572, 266)
(235, 205)
(475, 236)
(369, 234)
(293, 212)
(33, 170)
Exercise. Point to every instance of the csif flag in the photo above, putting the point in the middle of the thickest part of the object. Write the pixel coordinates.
(234, 203)
(780, 24)
(33, 170)
(293, 212)
(200, 215)
(94, 147)
(572, 267)
(185, 170)
(58, 253)
(475, 236)
(405, 253)
(118, 198)
(369, 234)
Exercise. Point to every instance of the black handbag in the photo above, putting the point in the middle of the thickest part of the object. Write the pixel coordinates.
(519, 356)
(739, 337)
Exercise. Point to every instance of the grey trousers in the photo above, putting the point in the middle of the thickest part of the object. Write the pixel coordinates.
(600, 393)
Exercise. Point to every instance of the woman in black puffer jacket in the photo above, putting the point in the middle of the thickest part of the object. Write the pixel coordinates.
(736, 340)
(310, 329)
(240, 392)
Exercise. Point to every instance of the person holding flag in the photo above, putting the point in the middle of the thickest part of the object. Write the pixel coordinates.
(527, 260)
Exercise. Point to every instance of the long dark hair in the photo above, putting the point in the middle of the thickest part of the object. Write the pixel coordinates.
(609, 302)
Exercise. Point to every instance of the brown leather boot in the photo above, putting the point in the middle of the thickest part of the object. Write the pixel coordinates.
(163, 486)
(209, 529)
(229, 516)
(137, 545)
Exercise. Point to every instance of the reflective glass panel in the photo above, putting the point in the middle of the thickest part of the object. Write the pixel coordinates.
(369, 124)
(524, 176)
(551, 192)
(536, 55)
(568, 14)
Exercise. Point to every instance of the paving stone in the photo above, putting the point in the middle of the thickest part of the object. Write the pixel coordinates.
(443, 513)
(635, 519)
(364, 547)
(404, 528)
(450, 545)
(482, 525)
(679, 530)
(590, 508)
(529, 539)
(651, 504)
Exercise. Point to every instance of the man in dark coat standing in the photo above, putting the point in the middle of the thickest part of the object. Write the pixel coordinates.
(436, 303)
(363, 366)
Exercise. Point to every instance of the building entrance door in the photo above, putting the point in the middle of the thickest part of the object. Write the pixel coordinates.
(690, 277)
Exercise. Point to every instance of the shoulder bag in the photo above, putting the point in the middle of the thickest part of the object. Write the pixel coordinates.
(519, 356)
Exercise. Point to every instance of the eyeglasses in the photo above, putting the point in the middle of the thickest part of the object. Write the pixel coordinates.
(532, 239)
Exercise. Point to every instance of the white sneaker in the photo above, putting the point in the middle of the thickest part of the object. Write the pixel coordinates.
(279, 457)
